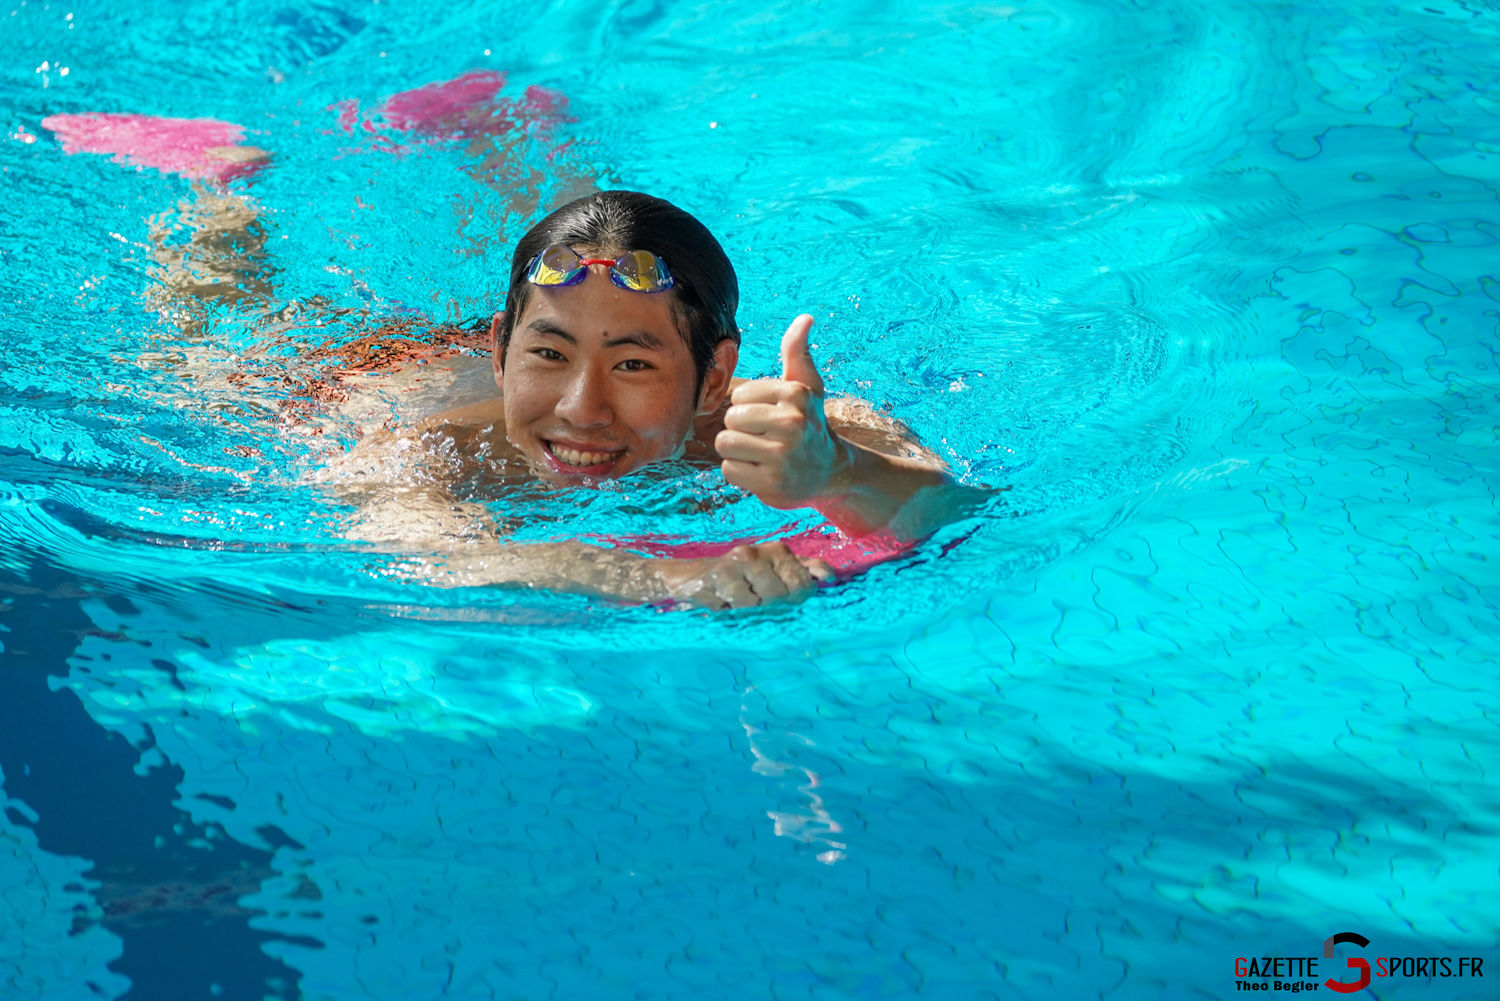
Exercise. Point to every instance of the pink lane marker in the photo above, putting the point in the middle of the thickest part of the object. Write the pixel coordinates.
(200, 148)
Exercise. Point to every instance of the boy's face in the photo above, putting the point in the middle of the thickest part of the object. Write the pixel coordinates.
(598, 380)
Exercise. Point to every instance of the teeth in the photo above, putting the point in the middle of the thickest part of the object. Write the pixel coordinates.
(576, 458)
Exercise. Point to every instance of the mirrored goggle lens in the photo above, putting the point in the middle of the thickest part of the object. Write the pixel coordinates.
(641, 271)
(557, 265)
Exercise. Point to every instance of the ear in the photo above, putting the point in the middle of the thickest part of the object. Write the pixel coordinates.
(495, 359)
(716, 380)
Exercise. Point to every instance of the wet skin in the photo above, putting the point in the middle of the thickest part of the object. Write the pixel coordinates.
(598, 381)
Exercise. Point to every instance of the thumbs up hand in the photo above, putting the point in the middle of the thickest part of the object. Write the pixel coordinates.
(776, 442)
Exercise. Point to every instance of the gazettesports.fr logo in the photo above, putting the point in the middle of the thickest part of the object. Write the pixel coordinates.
(1300, 973)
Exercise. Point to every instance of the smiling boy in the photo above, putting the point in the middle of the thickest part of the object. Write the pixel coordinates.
(617, 349)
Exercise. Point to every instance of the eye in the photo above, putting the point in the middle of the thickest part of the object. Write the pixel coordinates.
(548, 354)
(634, 365)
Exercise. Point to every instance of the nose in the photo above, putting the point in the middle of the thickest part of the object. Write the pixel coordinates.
(585, 402)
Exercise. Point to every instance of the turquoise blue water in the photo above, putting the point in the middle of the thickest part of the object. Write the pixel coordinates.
(1212, 290)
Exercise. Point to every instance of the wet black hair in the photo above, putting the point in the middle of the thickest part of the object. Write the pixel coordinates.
(705, 293)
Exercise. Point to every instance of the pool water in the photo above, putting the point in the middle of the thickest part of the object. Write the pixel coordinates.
(1212, 290)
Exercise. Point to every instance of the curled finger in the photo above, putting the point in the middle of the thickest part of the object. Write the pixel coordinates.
(745, 447)
(756, 418)
(748, 476)
(767, 580)
(790, 569)
(818, 570)
(767, 391)
(735, 591)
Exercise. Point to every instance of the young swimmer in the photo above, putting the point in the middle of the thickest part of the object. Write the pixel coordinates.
(617, 349)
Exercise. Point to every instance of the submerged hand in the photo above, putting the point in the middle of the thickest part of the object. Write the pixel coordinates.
(776, 442)
(745, 577)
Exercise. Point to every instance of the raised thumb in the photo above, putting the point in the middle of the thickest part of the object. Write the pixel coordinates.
(796, 359)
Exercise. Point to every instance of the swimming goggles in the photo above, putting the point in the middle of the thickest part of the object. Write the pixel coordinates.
(637, 271)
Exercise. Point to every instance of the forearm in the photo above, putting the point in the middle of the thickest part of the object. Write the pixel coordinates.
(744, 577)
(872, 492)
(466, 550)
(573, 567)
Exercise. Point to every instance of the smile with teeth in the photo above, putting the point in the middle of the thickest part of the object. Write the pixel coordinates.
(573, 457)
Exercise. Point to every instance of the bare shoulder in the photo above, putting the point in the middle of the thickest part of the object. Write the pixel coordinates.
(425, 451)
(491, 411)
(858, 422)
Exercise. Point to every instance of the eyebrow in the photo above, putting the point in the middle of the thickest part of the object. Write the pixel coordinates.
(641, 338)
(544, 326)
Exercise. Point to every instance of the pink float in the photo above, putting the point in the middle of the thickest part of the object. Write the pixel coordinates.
(845, 555)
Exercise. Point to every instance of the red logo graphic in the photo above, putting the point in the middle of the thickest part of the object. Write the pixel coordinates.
(1354, 962)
